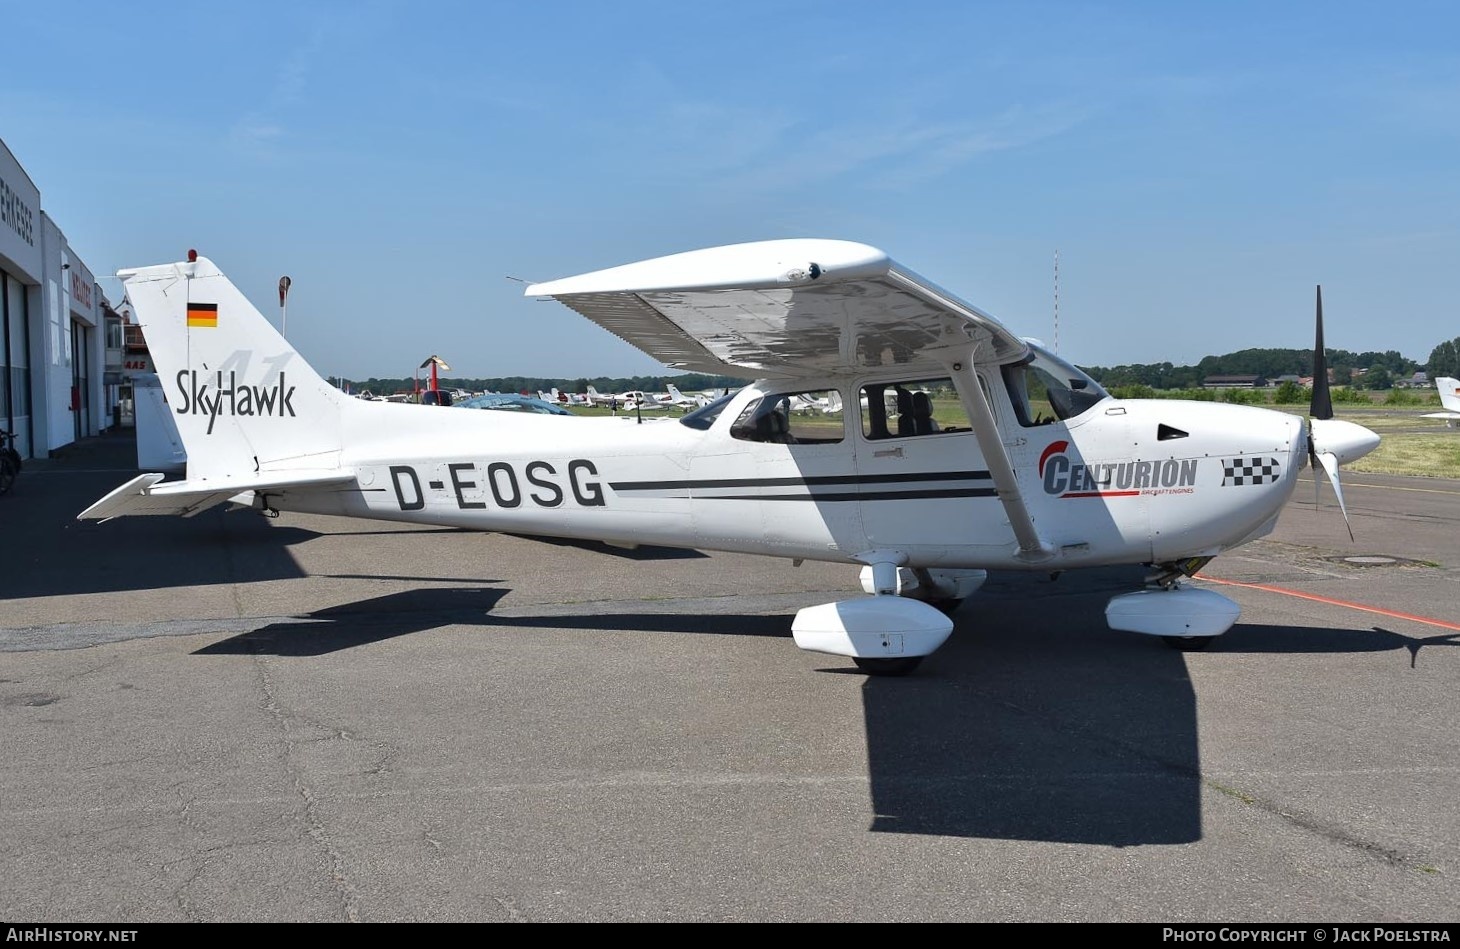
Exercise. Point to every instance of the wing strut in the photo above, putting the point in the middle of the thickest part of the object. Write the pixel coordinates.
(1031, 547)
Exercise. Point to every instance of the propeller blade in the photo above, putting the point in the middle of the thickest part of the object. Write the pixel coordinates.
(1330, 440)
(1314, 465)
(1321, 405)
(1330, 466)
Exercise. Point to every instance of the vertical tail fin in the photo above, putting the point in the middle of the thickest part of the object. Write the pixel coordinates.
(1449, 393)
(244, 400)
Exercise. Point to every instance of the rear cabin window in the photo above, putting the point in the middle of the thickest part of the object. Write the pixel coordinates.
(914, 408)
(792, 418)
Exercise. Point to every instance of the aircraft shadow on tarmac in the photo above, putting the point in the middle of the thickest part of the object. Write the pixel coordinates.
(1037, 722)
(1042, 724)
(363, 622)
(56, 555)
(625, 553)
(1301, 639)
(1034, 722)
(1011, 731)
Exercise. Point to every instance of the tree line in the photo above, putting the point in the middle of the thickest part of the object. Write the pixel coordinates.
(1382, 370)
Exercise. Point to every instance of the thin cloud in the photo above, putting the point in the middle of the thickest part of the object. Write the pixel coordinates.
(261, 131)
(895, 155)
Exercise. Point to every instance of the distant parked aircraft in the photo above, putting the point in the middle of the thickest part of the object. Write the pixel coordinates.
(1450, 399)
(595, 397)
(680, 400)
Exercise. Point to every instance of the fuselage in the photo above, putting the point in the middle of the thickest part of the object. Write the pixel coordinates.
(1105, 480)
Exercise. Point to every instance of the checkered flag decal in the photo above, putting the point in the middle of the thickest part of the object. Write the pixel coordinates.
(1249, 471)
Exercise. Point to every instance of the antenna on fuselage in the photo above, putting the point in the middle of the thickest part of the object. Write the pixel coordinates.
(1056, 301)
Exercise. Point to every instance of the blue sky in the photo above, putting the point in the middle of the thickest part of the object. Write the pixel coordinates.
(1199, 167)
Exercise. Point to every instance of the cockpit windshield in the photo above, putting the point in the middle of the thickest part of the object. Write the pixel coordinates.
(704, 416)
(1044, 388)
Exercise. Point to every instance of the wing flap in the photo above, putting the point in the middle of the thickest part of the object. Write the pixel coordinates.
(148, 495)
(782, 309)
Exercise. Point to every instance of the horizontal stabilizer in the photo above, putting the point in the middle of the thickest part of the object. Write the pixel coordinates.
(146, 495)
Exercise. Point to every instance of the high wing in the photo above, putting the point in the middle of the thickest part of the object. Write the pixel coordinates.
(804, 309)
(783, 309)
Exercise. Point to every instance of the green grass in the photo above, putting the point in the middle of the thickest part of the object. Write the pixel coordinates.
(1423, 456)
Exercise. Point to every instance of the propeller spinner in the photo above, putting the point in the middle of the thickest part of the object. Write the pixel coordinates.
(1331, 442)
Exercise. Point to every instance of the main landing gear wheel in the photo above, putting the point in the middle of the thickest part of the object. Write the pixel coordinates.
(1188, 643)
(900, 666)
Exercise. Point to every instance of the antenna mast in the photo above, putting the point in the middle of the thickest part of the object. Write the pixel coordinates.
(1056, 301)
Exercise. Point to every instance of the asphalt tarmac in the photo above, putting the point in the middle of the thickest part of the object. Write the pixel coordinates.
(231, 718)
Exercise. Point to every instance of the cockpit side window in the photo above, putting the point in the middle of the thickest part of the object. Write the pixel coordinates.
(792, 418)
(1045, 389)
(704, 416)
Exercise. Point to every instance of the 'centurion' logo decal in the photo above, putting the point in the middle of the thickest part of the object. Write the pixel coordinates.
(1123, 479)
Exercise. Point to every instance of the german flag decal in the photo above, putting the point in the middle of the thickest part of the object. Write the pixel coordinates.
(202, 314)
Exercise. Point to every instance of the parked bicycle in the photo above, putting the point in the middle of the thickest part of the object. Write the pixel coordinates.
(9, 460)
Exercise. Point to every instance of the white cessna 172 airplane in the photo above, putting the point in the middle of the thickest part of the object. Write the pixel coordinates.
(1032, 467)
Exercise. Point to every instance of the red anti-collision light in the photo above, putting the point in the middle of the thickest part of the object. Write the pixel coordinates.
(192, 256)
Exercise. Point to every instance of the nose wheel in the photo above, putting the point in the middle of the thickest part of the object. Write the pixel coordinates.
(900, 666)
(1188, 643)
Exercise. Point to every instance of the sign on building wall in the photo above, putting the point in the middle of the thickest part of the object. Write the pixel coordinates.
(80, 290)
(16, 214)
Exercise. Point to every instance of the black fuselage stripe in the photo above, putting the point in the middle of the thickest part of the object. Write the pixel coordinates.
(809, 482)
(858, 495)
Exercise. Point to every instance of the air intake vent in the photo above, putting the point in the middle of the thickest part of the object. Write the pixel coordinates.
(1164, 433)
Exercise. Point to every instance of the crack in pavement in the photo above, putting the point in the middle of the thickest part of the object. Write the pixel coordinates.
(314, 825)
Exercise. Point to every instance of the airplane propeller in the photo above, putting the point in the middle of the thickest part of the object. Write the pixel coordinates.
(1331, 441)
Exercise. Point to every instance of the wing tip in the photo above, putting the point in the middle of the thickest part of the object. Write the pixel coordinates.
(755, 264)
